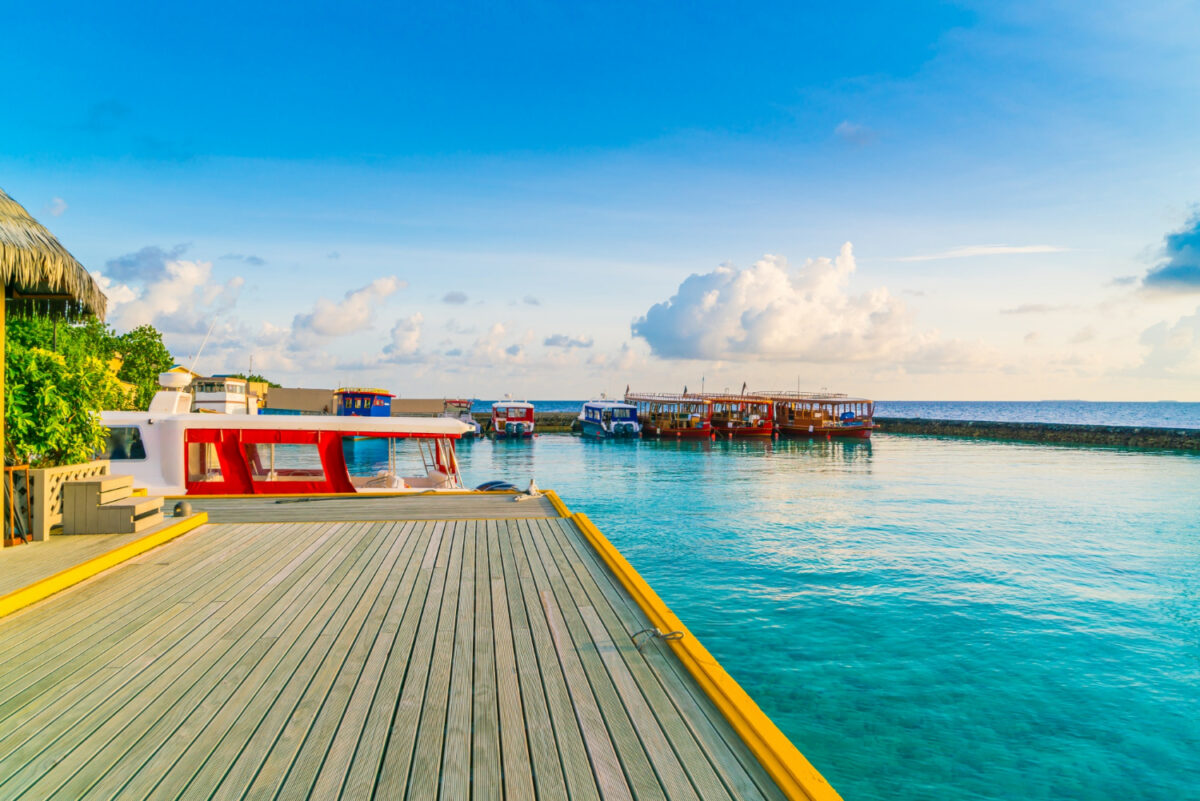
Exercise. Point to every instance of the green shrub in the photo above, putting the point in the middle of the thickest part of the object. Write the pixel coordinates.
(52, 404)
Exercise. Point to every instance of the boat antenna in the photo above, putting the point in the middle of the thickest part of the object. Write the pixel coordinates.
(204, 342)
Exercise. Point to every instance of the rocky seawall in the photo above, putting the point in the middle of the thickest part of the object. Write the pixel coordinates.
(1175, 439)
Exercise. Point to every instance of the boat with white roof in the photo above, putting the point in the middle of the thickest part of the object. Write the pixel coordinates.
(172, 450)
(608, 419)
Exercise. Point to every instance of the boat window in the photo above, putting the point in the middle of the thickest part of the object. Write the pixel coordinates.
(123, 443)
(290, 462)
(202, 462)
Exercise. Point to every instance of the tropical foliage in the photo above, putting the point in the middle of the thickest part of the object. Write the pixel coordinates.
(58, 377)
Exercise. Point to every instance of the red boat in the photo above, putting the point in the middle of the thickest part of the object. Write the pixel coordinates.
(821, 414)
(173, 451)
(742, 415)
(680, 416)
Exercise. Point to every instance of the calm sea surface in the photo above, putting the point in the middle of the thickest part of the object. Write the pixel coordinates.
(923, 617)
(1160, 415)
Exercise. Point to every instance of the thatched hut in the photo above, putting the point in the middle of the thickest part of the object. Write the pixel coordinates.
(36, 267)
(37, 270)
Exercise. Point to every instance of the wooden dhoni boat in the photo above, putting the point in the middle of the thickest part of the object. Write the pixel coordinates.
(821, 414)
(665, 415)
(741, 415)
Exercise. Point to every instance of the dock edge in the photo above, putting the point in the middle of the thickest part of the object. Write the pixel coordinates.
(792, 772)
(44, 588)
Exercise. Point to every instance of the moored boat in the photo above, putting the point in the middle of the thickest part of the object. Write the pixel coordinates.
(821, 414)
(606, 419)
(173, 451)
(512, 419)
(363, 402)
(460, 409)
(742, 415)
(666, 415)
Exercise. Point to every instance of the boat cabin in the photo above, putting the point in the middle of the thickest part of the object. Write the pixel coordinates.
(222, 395)
(360, 402)
(822, 414)
(607, 419)
(512, 419)
(460, 409)
(664, 415)
(175, 452)
(742, 415)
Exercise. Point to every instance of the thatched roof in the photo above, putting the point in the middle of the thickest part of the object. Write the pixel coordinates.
(34, 265)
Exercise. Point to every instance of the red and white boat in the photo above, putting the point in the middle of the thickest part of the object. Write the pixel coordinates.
(172, 450)
(512, 419)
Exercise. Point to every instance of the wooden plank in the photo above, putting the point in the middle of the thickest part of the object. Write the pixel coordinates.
(427, 750)
(370, 506)
(220, 778)
(91, 598)
(284, 754)
(345, 665)
(105, 652)
(572, 747)
(634, 668)
(247, 709)
(396, 763)
(455, 779)
(514, 750)
(597, 685)
(605, 762)
(643, 747)
(741, 772)
(139, 727)
(346, 740)
(485, 728)
(534, 723)
(141, 697)
(360, 780)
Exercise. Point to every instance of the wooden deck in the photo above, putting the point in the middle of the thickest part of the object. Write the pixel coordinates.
(423, 659)
(22, 565)
(445, 506)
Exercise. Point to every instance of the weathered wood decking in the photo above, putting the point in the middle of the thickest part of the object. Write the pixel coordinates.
(21, 565)
(423, 659)
(268, 509)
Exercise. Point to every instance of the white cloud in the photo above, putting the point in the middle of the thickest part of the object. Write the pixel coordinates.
(56, 207)
(1174, 349)
(771, 311)
(354, 312)
(181, 299)
(987, 250)
(405, 341)
(565, 341)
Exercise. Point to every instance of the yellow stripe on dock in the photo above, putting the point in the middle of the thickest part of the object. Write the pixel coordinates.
(794, 774)
(44, 588)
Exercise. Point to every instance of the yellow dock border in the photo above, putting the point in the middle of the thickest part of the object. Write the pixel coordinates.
(794, 774)
(44, 588)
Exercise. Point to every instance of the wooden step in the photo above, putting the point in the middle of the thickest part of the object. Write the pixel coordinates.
(149, 521)
(137, 505)
(103, 483)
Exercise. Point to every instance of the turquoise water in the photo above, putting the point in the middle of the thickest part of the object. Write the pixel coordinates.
(923, 617)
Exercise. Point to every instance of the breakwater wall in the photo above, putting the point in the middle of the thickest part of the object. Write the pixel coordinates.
(547, 422)
(1175, 439)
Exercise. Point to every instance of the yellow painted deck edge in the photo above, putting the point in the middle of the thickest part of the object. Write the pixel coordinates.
(557, 503)
(794, 774)
(19, 599)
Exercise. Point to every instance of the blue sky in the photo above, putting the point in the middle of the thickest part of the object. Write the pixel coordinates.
(512, 197)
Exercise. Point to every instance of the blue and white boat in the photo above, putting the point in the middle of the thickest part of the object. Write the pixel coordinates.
(607, 419)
